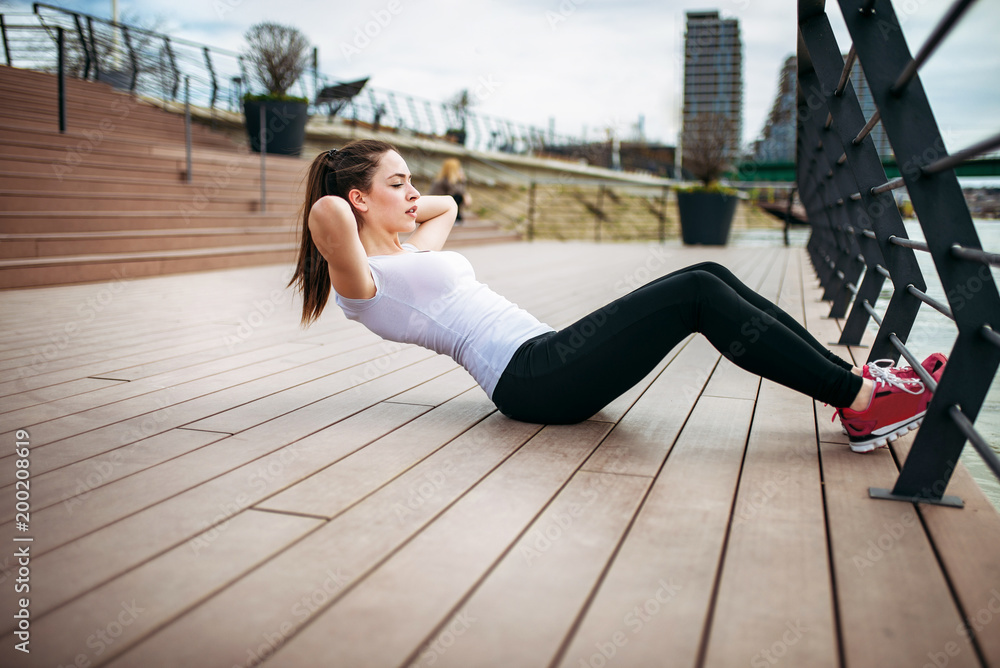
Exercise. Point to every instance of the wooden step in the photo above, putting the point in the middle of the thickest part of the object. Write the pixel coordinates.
(24, 222)
(71, 149)
(242, 167)
(145, 129)
(38, 245)
(104, 267)
(73, 182)
(196, 200)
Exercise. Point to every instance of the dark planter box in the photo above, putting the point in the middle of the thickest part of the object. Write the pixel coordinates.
(456, 135)
(285, 124)
(706, 217)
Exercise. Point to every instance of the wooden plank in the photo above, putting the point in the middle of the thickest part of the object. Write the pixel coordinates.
(248, 365)
(51, 393)
(655, 598)
(100, 430)
(62, 523)
(537, 589)
(388, 357)
(438, 390)
(641, 440)
(46, 430)
(827, 332)
(329, 492)
(257, 614)
(729, 380)
(967, 542)
(451, 555)
(895, 607)
(106, 621)
(617, 409)
(72, 352)
(92, 559)
(778, 520)
(72, 486)
(779, 490)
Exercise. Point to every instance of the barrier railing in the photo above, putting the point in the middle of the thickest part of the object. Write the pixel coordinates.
(156, 65)
(858, 239)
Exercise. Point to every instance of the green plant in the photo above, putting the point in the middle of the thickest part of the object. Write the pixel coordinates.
(714, 187)
(267, 97)
(276, 57)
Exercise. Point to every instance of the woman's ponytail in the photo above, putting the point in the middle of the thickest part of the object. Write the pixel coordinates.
(333, 172)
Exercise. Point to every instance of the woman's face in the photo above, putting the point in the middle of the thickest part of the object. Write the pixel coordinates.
(392, 200)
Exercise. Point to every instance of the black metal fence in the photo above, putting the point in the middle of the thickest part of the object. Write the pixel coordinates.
(858, 239)
(156, 65)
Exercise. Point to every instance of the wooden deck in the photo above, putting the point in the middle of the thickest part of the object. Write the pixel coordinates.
(213, 486)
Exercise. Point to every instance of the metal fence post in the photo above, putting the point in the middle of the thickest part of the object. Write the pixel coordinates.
(6, 47)
(531, 212)
(599, 213)
(263, 152)
(663, 215)
(62, 82)
(133, 59)
(187, 127)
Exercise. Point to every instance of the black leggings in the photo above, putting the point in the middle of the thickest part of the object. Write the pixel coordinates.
(566, 376)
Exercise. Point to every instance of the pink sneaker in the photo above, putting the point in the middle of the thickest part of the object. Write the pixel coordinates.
(886, 369)
(934, 364)
(898, 405)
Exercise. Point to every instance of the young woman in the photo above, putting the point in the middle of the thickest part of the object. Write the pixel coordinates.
(359, 200)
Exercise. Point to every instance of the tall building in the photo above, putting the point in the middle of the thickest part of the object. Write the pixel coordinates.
(713, 80)
(777, 140)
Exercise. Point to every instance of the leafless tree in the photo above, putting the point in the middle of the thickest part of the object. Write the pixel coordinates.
(276, 56)
(709, 141)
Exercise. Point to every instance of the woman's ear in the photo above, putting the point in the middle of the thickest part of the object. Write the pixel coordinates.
(357, 200)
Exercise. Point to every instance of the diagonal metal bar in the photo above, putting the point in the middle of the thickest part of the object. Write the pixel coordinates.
(876, 213)
(916, 140)
(937, 36)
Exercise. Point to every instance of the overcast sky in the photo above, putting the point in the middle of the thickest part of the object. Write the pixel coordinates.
(587, 63)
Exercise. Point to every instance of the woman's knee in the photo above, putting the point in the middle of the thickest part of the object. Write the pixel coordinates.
(714, 268)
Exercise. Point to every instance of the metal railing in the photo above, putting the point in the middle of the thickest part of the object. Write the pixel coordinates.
(564, 207)
(156, 66)
(858, 239)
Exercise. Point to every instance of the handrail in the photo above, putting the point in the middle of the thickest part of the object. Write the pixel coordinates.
(852, 211)
(157, 63)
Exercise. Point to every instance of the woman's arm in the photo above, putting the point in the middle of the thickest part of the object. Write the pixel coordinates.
(436, 215)
(334, 230)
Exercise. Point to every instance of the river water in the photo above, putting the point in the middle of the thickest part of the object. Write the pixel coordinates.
(931, 332)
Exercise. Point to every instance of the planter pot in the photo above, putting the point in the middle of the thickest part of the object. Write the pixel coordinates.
(285, 124)
(706, 217)
(456, 135)
(118, 79)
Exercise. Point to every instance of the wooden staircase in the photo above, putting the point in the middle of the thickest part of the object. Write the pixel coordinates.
(108, 199)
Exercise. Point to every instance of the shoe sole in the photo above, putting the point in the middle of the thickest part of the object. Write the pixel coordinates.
(882, 440)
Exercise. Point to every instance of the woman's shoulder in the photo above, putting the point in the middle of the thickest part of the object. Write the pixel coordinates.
(327, 210)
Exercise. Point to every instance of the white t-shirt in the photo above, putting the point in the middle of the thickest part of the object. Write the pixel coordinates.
(432, 299)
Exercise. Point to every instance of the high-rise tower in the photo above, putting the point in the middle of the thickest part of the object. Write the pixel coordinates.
(713, 77)
(777, 140)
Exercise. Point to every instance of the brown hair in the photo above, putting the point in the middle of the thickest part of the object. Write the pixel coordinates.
(335, 172)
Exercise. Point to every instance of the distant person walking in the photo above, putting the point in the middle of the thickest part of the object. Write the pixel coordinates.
(451, 181)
